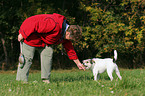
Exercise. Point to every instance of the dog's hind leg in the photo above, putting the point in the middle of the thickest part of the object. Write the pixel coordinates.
(109, 72)
(118, 73)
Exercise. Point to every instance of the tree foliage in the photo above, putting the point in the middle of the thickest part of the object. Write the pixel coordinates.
(107, 25)
(117, 25)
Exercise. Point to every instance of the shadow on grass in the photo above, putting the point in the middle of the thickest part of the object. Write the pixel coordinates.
(68, 77)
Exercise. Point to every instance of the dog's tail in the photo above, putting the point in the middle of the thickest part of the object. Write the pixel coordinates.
(115, 55)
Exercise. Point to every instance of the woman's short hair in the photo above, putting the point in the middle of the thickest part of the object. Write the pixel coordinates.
(75, 32)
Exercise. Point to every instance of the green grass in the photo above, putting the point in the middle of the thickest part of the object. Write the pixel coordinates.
(74, 83)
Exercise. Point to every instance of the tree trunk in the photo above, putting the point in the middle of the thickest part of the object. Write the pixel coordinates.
(5, 52)
(12, 52)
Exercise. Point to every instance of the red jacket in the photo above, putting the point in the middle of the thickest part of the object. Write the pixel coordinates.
(45, 29)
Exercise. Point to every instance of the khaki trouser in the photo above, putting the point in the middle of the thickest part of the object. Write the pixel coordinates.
(46, 54)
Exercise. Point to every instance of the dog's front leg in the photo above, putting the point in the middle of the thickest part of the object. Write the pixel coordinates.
(98, 76)
(95, 76)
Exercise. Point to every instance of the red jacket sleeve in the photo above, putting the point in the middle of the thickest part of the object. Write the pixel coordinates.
(70, 50)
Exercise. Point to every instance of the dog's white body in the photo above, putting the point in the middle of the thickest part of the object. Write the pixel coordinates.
(100, 65)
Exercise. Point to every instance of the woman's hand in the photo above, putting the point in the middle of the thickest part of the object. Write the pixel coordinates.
(20, 37)
(78, 63)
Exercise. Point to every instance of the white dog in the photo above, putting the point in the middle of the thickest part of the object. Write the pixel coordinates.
(100, 65)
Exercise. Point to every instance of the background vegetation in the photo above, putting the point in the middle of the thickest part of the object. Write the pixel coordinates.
(107, 25)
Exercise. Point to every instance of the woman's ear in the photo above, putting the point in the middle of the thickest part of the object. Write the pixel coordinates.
(67, 36)
(67, 33)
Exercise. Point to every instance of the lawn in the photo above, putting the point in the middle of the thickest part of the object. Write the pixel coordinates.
(74, 83)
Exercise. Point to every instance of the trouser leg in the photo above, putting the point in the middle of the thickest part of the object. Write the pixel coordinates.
(28, 52)
(46, 62)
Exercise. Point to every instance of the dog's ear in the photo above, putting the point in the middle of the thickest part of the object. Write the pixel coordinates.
(92, 61)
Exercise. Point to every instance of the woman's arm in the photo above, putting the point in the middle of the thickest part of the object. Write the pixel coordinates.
(78, 63)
